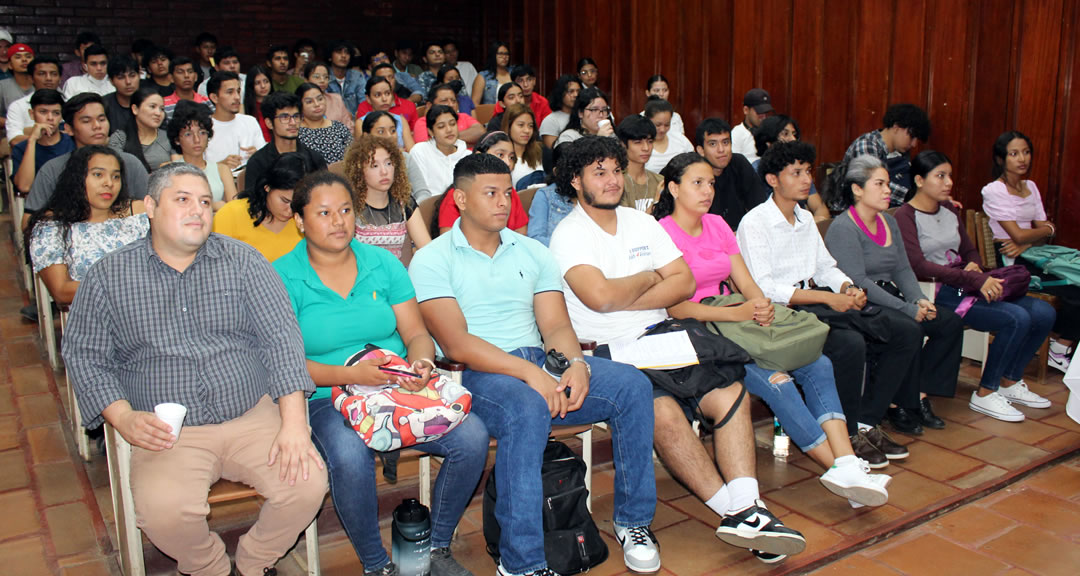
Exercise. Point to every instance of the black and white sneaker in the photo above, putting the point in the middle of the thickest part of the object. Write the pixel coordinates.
(755, 528)
(641, 553)
(768, 558)
(541, 572)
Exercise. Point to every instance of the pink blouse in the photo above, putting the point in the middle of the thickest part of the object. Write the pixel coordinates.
(1001, 206)
(708, 255)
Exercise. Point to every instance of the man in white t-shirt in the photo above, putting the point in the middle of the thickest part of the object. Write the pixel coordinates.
(96, 79)
(757, 105)
(236, 136)
(227, 60)
(621, 271)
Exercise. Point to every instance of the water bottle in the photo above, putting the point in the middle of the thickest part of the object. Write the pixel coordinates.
(781, 446)
(411, 538)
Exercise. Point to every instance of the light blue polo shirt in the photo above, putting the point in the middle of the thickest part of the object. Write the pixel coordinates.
(495, 294)
(335, 328)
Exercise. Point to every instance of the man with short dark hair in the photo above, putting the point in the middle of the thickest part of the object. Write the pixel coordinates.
(493, 300)
(303, 52)
(281, 112)
(96, 78)
(205, 47)
(525, 77)
(620, 272)
(183, 75)
(74, 67)
(402, 107)
(21, 84)
(403, 59)
(85, 119)
(227, 60)
(738, 187)
(44, 140)
(277, 61)
(641, 187)
(44, 75)
(757, 105)
(469, 129)
(198, 319)
(158, 63)
(344, 79)
(236, 136)
(904, 126)
(124, 75)
(466, 69)
(433, 59)
(139, 46)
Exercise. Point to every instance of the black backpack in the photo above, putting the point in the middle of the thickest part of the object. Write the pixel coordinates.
(572, 544)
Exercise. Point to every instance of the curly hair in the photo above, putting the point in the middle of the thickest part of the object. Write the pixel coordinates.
(910, 117)
(68, 204)
(362, 151)
(581, 153)
(534, 151)
(187, 113)
(769, 131)
(674, 172)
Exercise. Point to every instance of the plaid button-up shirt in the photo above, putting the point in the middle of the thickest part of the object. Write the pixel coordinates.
(215, 338)
(873, 144)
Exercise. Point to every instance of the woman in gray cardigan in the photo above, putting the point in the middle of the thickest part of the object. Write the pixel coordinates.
(867, 246)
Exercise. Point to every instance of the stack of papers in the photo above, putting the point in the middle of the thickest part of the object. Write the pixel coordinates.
(656, 351)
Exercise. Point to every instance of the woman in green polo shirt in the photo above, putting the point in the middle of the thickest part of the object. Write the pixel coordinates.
(346, 295)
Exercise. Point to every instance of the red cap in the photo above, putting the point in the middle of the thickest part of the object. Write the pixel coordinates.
(16, 48)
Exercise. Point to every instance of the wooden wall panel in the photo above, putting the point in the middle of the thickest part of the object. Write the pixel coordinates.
(978, 66)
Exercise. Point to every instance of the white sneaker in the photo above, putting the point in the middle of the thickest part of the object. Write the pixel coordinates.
(1019, 393)
(641, 553)
(854, 482)
(995, 405)
(1059, 357)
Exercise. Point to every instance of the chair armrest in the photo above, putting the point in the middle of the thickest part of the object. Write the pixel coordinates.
(449, 365)
(587, 345)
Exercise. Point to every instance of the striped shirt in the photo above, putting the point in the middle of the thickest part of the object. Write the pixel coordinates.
(215, 338)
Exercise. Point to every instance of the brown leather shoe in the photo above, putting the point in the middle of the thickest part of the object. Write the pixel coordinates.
(885, 444)
(865, 450)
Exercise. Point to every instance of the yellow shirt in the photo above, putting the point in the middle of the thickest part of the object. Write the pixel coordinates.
(234, 221)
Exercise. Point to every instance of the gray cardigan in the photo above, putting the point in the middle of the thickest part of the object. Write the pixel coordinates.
(865, 263)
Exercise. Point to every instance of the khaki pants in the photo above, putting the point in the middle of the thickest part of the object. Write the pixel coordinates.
(170, 489)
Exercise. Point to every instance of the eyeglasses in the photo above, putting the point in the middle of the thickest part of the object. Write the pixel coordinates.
(601, 111)
(319, 76)
(287, 118)
(188, 134)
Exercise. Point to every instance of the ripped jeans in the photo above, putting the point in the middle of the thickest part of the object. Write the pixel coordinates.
(800, 418)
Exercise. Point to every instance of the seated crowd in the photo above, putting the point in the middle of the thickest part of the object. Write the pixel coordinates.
(217, 235)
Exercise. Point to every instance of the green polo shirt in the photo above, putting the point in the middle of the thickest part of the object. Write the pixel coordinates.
(495, 294)
(335, 328)
(290, 85)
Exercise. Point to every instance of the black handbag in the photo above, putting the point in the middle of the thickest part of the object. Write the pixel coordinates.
(720, 361)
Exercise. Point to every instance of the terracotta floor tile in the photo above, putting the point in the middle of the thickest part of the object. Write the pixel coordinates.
(24, 557)
(668, 488)
(603, 508)
(47, 444)
(868, 519)
(7, 401)
(1040, 509)
(20, 514)
(37, 410)
(1063, 421)
(818, 537)
(92, 568)
(29, 379)
(1065, 441)
(16, 326)
(956, 409)
(57, 482)
(955, 436)
(971, 525)
(13, 472)
(1035, 550)
(811, 499)
(930, 555)
(24, 353)
(693, 507)
(937, 463)
(1061, 481)
(773, 473)
(1027, 432)
(855, 566)
(9, 428)
(1003, 452)
(977, 477)
(71, 528)
(691, 548)
(909, 491)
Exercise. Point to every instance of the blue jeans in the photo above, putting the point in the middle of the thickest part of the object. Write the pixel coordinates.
(517, 416)
(801, 419)
(1020, 328)
(351, 465)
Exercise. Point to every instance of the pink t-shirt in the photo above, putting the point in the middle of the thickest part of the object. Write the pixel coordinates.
(419, 131)
(708, 255)
(1001, 206)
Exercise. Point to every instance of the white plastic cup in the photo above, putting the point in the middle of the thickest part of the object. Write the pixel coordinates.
(602, 123)
(172, 414)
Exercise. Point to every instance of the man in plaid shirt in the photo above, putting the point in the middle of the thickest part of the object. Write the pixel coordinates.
(905, 125)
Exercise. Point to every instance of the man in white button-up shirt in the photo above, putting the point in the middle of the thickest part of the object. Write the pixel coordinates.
(783, 249)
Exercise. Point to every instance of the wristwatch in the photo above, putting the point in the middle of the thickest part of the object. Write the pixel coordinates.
(588, 369)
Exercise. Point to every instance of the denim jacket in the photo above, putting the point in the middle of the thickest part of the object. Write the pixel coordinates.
(548, 208)
(353, 90)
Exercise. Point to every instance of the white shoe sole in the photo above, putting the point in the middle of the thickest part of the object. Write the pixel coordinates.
(770, 542)
(865, 494)
(997, 415)
(642, 569)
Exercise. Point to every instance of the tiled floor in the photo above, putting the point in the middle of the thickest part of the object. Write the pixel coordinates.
(963, 503)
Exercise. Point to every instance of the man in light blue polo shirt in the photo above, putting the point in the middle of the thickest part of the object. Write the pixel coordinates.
(492, 298)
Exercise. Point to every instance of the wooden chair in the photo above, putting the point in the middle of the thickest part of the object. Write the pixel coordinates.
(46, 324)
(454, 371)
(82, 442)
(129, 536)
(484, 112)
(241, 180)
(337, 168)
(17, 204)
(823, 227)
(427, 209)
(526, 197)
(421, 111)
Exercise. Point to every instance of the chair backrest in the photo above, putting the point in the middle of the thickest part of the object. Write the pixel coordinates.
(337, 168)
(241, 180)
(427, 209)
(421, 111)
(484, 112)
(526, 198)
(985, 241)
(823, 226)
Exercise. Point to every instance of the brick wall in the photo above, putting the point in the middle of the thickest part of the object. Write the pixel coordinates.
(50, 26)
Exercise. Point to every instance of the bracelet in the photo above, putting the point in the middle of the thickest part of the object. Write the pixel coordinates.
(1053, 230)
(588, 369)
(429, 361)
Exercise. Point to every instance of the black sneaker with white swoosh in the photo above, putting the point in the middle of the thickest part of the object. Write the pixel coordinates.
(756, 528)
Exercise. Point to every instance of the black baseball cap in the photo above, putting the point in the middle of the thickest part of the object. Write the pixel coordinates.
(759, 100)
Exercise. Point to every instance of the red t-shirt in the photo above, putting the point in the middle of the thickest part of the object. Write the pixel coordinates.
(537, 103)
(420, 133)
(448, 212)
(401, 107)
